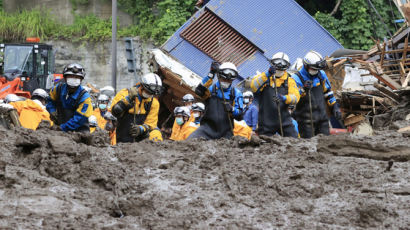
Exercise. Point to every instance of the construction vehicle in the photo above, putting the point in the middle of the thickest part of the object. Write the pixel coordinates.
(25, 67)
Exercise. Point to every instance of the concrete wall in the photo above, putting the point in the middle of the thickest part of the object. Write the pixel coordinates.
(62, 9)
(96, 59)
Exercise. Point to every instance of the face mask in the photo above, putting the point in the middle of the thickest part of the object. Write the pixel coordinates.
(196, 115)
(279, 73)
(73, 82)
(246, 100)
(145, 95)
(179, 120)
(313, 72)
(102, 106)
(225, 85)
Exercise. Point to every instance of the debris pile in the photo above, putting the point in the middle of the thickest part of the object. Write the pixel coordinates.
(376, 83)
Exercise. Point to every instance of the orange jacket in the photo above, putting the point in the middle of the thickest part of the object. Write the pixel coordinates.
(180, 133)
(31, 113)
(242, 129)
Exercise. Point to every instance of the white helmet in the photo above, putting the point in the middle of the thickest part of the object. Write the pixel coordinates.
(297, 65)
(12, 98)
(74, 69)
(188, 98)
(92, 120)
(40, 93)
(182, 111)
(152, 83)
(103, 97)
(314, 60)
(248, 94)
(198, 107)
(281, 61)
(228, 71)
(107, 90)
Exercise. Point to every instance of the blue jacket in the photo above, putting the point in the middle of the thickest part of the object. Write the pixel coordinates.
(251, 116)
(237, 101)
(82, 112)
(327, 89)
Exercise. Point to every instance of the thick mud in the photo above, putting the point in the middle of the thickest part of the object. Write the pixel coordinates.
(53, 180)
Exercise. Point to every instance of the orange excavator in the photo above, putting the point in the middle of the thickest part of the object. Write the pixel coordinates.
(25, 67)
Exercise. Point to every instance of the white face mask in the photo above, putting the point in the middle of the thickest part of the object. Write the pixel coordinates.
(313, 72)
(225, 85)
(73, 82)
(196, 115)
(279, 73)
(246, 100)
(145, 95)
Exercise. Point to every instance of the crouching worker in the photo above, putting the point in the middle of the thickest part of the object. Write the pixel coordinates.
(224, 103)
(198, 110)
(136, 110)
(316, 93)
(32, 111)
(184, 126)
(276, 91)
(69, 103)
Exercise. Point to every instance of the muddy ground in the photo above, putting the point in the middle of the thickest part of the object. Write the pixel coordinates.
(53, 180)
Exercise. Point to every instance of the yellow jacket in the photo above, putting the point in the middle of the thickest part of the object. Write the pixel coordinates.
(180, 133)
(100, 119)
(293, 96)
(242, 129)
(31, 113)
(152, 117)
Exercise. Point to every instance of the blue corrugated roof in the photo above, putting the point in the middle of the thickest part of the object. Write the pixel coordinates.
(272, 25)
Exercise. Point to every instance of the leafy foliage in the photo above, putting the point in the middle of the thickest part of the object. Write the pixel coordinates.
(353, 26)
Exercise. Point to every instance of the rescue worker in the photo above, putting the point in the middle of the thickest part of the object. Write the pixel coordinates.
(99, 112)
(137, 110)
(198, 110)
(224, 102)
(92, 121)
(188, 100)
(184, 126)
(316, 92)
(69, 103)
(250, 112)
(32, 111)
(276, 91)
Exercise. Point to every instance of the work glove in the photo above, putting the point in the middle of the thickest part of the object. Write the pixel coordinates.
(228, 107)
(214, 67)
(54, 117)
(336, 112)
(279, 98)
(137, 130)
(272, 70)
(133, 93)
(308, 85)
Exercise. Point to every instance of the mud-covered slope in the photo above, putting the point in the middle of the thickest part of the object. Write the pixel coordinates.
(52, 180)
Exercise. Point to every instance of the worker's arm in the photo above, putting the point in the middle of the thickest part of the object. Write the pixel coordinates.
(81, 115)
(51, 101)
(203, 89)
(258, 81)
(327, 89)
(293, 96)
(299, 85)
(152, 118)
(238, 104)
(121, 103)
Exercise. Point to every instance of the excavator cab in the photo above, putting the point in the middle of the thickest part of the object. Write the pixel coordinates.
(25, 67)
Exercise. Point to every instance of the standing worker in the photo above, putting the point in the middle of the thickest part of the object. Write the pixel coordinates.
(250, 113)
(69, 103)
(276, 91)
(137, 110)
(224, 102)
(184, 126)
(316, 92)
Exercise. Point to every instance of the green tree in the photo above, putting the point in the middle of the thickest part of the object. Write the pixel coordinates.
(353, 26)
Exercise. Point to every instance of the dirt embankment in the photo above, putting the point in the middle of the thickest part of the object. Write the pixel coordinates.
(52, 180)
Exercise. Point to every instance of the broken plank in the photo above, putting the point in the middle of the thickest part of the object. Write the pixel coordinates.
(405, 129)
(384, 78)
(353, 120)
(387, 92)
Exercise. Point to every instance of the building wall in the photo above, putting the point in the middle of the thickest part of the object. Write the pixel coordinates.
(62, 9)
(96, 59)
